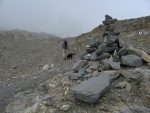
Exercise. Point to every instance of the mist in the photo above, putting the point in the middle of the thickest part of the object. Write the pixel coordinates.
(66, 18)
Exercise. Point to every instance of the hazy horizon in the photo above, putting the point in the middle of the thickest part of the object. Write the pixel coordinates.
(66, 18)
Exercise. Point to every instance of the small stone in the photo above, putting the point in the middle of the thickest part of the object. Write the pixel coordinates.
(95, 73)
(48, 103)
(46, 98)
(115, 65)
(87, 76)
(82, 71)
(94, 57)
(140, 109)
(99, 51)
(104, 67)
(75, 76)
(109, 49)
(43, 87)
(52, 65)
(117, 74)
(90, 50)
(105, 61)
(96, 44)
(128, 87)
(65, 107)
(80, 64)
(110, 39)
(123, 51)
(122, 84)
(94, 67)
(88, 70)
(103, 56)
(46, 67)
(86, 57)
(128, 74)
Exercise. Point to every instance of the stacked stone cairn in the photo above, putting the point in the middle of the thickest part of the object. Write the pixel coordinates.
(99, 57)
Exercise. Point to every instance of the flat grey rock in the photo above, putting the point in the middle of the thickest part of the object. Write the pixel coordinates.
(80, 64)
(75, 76)
(115, 65)
(91, 90)
(131, 61)
(103, 56)
(110, 39)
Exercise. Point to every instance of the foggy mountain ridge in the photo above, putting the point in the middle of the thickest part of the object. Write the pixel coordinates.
(66, 18)
(38, 34)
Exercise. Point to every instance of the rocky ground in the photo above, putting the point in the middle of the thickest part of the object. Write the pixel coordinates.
(107, 75)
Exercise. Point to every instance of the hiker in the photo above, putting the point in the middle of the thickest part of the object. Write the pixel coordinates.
(64, 47)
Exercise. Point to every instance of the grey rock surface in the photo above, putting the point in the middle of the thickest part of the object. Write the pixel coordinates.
(91, 90)
(131, 60)
(123, 51)
(82, 71)
(80, 64)
(90, 49)
(115, 65)
(75, 76)
(110, 39)
(103, 56)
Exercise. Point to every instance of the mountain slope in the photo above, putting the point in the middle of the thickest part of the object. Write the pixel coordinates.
(128, 29)
(23, 52)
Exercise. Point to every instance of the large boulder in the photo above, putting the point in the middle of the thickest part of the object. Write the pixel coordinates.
(140, 53)
(131, 60)
(91, 90)
(80, 64)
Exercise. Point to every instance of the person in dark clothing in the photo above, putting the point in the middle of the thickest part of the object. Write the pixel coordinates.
(65, 44)
(64, 47)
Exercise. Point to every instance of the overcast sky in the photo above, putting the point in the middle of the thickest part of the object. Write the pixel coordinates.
(66, 17)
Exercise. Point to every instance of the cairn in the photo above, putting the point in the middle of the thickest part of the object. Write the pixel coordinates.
(105, 56)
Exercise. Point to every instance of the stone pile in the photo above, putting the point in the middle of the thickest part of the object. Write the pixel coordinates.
(98, 59)
(109, 20)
